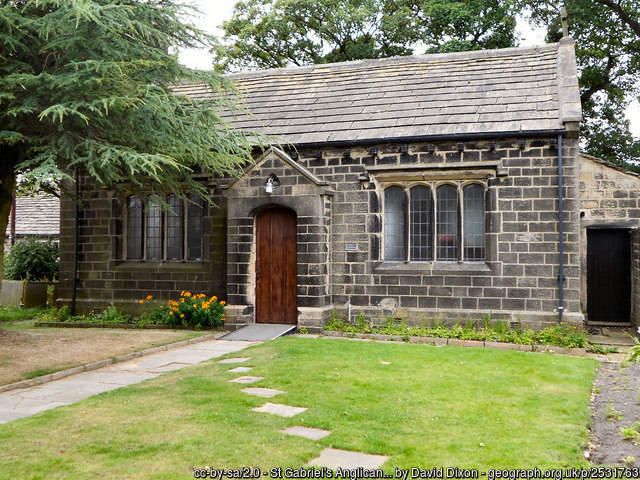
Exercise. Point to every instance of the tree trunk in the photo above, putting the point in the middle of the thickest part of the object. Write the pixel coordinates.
(8, 162)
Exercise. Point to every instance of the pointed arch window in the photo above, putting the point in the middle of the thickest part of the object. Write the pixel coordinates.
(394, 230)
(420, 213)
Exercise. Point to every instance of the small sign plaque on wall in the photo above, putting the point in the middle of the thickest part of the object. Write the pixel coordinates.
(351, 247)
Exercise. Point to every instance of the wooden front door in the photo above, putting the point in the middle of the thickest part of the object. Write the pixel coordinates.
(608, 275)
(276, 267)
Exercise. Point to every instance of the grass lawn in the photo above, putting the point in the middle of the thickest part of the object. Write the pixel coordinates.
(430, 406)
(27, 351)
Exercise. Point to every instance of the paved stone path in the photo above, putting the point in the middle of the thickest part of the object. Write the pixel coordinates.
(25, 402)
(334, 459)
(262, 392)
(306, 432)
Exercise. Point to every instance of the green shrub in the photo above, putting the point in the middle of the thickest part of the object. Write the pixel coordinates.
(32, 260)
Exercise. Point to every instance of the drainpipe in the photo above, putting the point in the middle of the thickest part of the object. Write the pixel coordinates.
(12, 231)
(74, 281)
(560, 233)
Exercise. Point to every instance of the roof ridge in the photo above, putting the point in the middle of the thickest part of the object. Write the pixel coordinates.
(353, 65)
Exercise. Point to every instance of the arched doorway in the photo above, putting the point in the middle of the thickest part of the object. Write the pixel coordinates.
(276, 266)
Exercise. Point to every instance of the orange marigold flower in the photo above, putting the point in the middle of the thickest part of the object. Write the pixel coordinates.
(214, 298)
(182, 300)
(140, 301)
(223, 303)
(149, 297)
(187, 294)
(182, 315)
(170, 313)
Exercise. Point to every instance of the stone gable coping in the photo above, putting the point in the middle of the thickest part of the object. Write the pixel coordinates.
(286, 159)
(605, 163)
(568, 90)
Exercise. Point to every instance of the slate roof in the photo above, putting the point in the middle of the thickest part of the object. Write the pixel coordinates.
(37, 216)
(531, 89)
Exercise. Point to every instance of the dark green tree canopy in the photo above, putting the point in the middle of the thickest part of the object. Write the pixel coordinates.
(89, 84)
(607, 36)
(279, 33)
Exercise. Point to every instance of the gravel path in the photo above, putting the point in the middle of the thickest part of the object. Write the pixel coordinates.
(615, 404)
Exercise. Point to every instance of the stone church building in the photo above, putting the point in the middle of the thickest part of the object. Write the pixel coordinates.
(434, 186)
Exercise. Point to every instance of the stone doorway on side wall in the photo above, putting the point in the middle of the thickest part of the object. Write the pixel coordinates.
(276, 266)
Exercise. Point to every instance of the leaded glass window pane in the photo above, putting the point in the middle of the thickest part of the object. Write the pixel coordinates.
(420, 223)
(175, 232)
(447, 223)
(194, 228)
(473, 197)
(154, 231)
(394, 223)
(134, 228)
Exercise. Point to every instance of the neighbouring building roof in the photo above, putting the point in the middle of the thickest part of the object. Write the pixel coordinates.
(37, 216)
(530, 90)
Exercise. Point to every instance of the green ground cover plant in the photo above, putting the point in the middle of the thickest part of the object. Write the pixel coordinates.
(560, 335)
(422, 405)
(16, 314)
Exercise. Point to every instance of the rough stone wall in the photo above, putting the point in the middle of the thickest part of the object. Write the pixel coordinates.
(609, 194)
(104, 277)
(609, 198)
(519, 278)
(338, 202)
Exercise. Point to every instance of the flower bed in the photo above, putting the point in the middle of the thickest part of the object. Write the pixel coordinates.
(559, 335)
(189, 311)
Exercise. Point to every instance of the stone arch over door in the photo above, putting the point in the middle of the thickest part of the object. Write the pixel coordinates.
(309, 200)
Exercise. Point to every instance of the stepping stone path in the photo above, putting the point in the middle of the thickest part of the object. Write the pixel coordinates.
(234, 360)
(246, 379)
(278, 409)
(306, 432)
(329, 457)
(241, 369)
(334, 459)
(262, 392)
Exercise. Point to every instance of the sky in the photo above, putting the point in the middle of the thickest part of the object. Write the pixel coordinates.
(214, 12)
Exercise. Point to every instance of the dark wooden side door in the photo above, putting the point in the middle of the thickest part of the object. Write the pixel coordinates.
(608, 275)
(276, 267)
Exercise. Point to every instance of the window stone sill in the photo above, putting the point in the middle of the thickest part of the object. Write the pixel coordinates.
(433, 268)
(139, 266)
